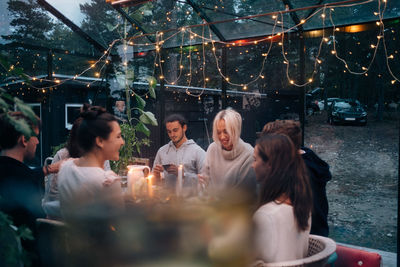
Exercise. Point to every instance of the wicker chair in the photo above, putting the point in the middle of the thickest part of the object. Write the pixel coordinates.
(319, 250)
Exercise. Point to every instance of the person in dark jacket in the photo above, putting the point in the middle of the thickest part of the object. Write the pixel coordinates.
(318, 171)
(21, 186)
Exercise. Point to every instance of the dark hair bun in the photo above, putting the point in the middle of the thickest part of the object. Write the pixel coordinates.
(89, 112)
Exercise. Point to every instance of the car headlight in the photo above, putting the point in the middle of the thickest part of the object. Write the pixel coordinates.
(364, 114)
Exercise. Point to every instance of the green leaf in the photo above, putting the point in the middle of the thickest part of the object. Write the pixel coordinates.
(146, 141)
(18, 71)
(140, 102)
(4, 62)
(148, 118)
(142, 128)
(120, 77)
(138, 147)
(26, 78)
(26, 110)
(7, 96)
(21, 126)
(4, 105)
(25, 233)
(111, 27)
(130, 75)
(152, 84)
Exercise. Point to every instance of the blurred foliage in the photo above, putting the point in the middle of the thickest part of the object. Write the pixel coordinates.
(10, 253)
(131, 148)
(55, 149)
(10, 103)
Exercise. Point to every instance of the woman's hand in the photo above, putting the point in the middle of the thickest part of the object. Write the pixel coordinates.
(111, 177)
(53, 168)
(203, 179)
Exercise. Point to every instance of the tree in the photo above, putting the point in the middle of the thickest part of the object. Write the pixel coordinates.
(31, 24)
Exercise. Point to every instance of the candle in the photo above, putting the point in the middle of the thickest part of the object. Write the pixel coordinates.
(162, 178)
(179, 181)
(131, 184)
(150, 186)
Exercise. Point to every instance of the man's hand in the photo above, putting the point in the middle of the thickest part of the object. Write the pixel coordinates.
(174, 170)
(157, 170)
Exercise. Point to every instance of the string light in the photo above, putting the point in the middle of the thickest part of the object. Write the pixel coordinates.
(206, 41)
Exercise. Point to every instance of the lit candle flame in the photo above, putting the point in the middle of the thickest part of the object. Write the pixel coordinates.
(150, 186)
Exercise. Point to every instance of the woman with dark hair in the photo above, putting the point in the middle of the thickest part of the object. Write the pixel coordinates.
(51, 199)
(85, 187)
(283, 219)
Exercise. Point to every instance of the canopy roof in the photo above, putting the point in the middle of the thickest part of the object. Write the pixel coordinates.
(146, 22)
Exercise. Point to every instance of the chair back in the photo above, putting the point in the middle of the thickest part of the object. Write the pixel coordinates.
(356, 257)
(52, 242)
(319, 250)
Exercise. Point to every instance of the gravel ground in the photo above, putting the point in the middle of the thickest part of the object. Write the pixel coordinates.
(362, 194)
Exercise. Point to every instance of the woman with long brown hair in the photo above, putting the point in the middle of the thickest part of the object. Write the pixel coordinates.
(283, 219)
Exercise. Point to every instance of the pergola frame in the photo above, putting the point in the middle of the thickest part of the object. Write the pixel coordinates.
(100, 48)
(118, 6)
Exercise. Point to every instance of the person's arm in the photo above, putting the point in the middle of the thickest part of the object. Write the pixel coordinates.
(204, 176)
(52, 168)
(157, 167)
(192, 178)
(200, 160)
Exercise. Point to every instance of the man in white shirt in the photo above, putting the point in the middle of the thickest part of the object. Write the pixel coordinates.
(179, 151)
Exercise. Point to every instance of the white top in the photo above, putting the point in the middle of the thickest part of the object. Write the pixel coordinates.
(83, 192)
(51, 201)
(51, 184)
(230, 169)
(277, 237)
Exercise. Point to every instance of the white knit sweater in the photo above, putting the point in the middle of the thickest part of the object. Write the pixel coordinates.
(230, 169)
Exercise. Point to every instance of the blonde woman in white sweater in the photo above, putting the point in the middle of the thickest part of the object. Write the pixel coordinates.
(228, 159)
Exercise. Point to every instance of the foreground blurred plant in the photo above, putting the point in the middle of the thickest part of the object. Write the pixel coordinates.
(11, 252)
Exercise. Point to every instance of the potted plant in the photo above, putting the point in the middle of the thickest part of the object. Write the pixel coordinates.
(134, 124)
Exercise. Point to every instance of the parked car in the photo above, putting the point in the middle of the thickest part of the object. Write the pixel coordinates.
(311, 105)
(329, 100)
(347, 111)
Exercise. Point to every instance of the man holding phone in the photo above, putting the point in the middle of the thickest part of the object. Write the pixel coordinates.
(179, 151)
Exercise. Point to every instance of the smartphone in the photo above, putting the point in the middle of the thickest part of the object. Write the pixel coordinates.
(166, 166)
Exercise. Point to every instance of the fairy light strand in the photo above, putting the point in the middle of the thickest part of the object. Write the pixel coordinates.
(160, 41)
